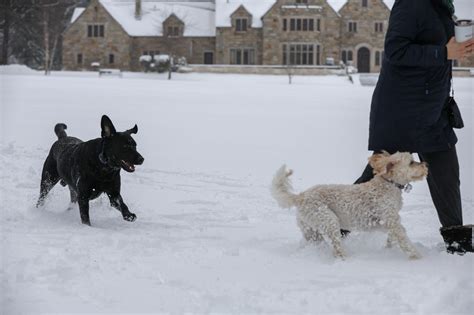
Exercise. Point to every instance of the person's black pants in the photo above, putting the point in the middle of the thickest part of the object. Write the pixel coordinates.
(443, 182)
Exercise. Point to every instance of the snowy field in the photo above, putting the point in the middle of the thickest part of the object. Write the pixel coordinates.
(209, 238)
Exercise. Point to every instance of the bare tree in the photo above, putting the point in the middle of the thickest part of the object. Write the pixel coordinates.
(36, 26)
(6, 8)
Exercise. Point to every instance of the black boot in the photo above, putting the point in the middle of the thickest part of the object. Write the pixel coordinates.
(458, 238)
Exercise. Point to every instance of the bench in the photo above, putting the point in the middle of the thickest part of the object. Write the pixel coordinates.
(110, 72)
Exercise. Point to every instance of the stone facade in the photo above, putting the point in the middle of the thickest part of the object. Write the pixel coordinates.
(192, 48)
(81, 49)
(230, 38)
(324, 34)
(305, 32)
(363, 32)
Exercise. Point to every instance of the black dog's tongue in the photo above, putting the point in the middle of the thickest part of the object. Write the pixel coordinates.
(128, 167)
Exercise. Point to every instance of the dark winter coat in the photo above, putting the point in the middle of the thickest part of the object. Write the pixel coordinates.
(407, 105)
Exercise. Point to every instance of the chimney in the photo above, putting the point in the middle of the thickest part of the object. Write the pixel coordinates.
(138, 9)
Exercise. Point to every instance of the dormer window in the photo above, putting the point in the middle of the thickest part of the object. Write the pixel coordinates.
(241, 25)
(173, 26)
(172, 31)
(365, 3)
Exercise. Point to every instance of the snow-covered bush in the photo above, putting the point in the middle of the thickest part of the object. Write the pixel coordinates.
(95, 66)
(330, 61)
(146, 61)
(163, 63)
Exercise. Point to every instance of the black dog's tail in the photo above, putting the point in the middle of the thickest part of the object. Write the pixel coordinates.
(59, 129)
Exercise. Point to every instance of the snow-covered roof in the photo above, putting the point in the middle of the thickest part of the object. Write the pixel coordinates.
(76, 13)
(225, 8)
(338, 4)
(199, 17)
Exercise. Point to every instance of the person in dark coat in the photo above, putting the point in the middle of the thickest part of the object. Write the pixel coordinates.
(408, 105)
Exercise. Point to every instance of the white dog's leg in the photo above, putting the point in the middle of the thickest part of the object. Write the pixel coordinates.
(309, 234)
(327, 223)
(390, 240)
(397, 232)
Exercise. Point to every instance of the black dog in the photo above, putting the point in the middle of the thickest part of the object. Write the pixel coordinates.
(91, 168)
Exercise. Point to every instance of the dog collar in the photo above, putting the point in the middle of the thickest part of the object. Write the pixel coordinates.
(104, 159)
(406, 188)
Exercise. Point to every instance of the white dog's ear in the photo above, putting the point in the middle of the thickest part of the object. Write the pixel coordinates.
(379, 163)
(389, 167)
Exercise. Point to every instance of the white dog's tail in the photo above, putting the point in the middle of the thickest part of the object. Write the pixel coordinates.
(282, 189)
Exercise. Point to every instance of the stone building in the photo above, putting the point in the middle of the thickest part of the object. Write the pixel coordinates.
(115, 33)
(363, 27)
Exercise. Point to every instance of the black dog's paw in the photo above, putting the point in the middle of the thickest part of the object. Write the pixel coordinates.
(130, 217)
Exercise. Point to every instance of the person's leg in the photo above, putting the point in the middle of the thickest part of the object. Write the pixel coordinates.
(366, 176)
(444, 185)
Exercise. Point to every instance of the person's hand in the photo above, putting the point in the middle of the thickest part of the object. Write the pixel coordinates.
(457, 51)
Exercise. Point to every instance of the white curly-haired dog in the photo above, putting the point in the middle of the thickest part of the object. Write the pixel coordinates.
(324, 210)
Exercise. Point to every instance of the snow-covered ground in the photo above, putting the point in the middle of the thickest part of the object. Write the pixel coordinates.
(209, 237)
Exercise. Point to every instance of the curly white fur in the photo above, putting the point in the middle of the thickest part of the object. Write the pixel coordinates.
(325, 209)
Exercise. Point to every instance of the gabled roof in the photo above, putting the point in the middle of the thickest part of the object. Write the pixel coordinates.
(338, 4)
(258, 8)
(199, 17)
(225, 8)
(77, 12)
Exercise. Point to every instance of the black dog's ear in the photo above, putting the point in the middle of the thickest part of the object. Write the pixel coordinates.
(108, 128)
(133, 130)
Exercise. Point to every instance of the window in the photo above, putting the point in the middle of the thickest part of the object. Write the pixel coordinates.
(242, 56)
(302, 1)
(378, 27)
(79, 59)
(300, 54)
(379, 55)
(292, 25)
(346, 56)
(365, 3)
(241, 25)
(352, 27)
(301, 25)
(172, 31)
(95, 30)
(111, 59)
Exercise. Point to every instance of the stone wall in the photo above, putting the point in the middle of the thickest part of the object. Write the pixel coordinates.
(274, 36)
(265, 70)
(366, 36)
(228, 38)
(192, 48)
(96, 49)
